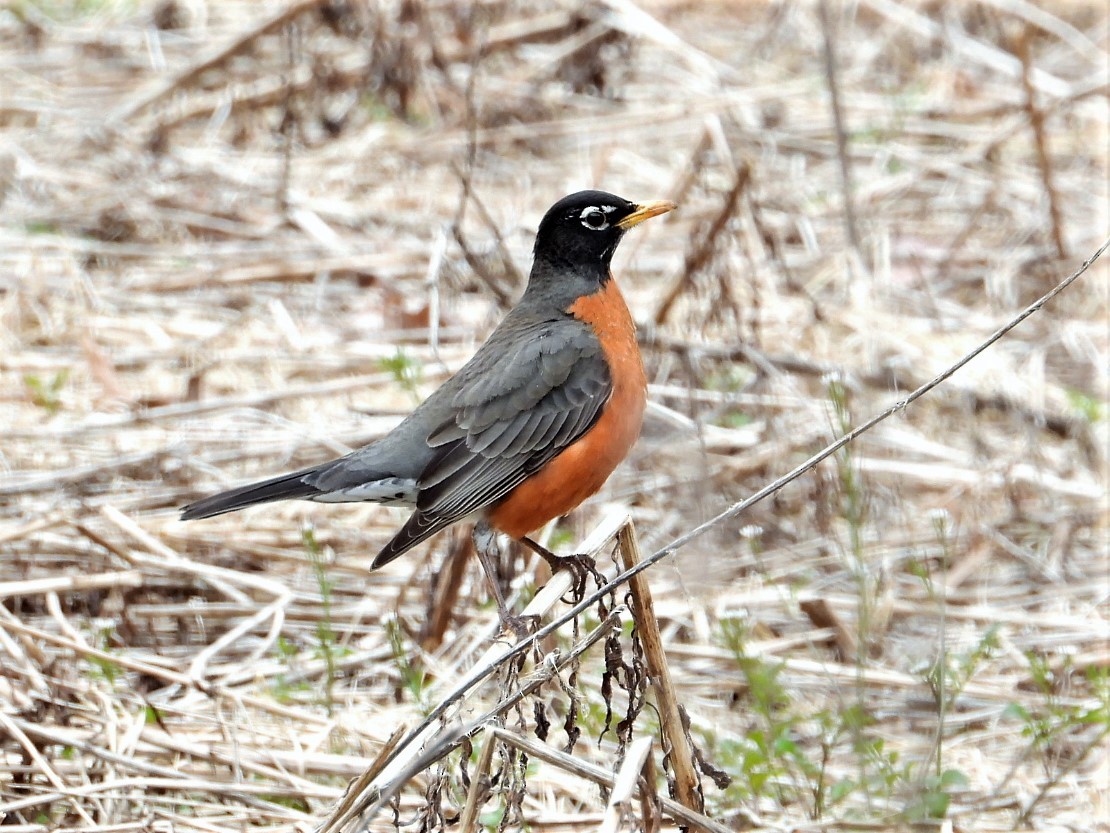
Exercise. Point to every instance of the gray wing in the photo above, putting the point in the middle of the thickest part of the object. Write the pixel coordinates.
(505, 423)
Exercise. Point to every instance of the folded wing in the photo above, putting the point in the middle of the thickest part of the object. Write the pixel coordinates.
(546, 392)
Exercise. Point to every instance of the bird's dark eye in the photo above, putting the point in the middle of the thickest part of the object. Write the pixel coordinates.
(594, 218)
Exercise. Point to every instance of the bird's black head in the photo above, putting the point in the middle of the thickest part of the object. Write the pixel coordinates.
(580, 232)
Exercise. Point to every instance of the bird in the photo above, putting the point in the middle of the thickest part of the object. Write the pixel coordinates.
(532, 425)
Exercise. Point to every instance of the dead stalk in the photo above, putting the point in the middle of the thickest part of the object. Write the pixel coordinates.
(479, 784)
(1019, 45)
(677, 747)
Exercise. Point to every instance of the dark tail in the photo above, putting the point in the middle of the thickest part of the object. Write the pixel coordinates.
(286, 487)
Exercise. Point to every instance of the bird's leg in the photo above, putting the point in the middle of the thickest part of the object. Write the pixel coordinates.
(580, 565)
(485, 545)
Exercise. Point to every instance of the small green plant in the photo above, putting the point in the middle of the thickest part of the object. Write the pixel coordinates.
(491, 819)
(730, 379)
(1045, 726)
(734, 419)
(934, 795)
(412, 677)
(853, 506)
(292, 802)
(560, 538)
(326, 648)
(101, 667)
(73, 11)
(1088, 408)
(376, 109)
(407, 371)
(283, 688)
(950, 674)
(47, 394)
(104, 669)
(289, 692)
(770, 758)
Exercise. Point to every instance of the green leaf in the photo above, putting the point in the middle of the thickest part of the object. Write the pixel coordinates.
(953, 778)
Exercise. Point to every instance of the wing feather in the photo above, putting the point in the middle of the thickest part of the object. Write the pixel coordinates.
(505, 425)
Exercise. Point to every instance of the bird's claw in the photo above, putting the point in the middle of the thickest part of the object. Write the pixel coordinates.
(578, 564)
(522, 627)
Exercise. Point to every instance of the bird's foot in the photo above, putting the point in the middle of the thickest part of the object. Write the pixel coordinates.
(485, 545)
(522, 627)
(578, 564)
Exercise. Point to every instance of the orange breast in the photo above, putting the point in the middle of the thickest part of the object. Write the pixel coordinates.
(585, 465)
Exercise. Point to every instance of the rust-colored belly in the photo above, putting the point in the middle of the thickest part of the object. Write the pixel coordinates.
(586, 464)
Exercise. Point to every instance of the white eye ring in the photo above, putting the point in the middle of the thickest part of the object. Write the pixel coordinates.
(594, 217)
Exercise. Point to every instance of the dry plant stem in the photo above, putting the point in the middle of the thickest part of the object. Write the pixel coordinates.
(220, 578)
(71, 584)
(597, 775)
(479, 784)
(505, 296)
(651, 819)
(46, 637)
(27, 529)
(703, 250)
(495, 230)
(32, 752)
(678, 189)
(160, 236)
(1020, 47)
(288, 128)
(965, 46)
(123, 786)
(346, 808)
(130, 762)
(49, 483)
(184, 79)
(735, 509)
(822, 615)
(439, 746)
(445, 594)
(838, 125)
(1078, 758)
(183, 409)
(620, 799)
(677, 748)
(886, 377)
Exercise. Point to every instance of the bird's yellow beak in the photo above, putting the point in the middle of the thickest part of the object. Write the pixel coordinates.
(645, 211)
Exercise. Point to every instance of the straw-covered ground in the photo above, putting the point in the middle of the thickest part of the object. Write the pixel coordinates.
(243, 237)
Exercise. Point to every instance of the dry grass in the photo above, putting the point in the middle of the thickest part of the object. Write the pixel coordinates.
(234, 241)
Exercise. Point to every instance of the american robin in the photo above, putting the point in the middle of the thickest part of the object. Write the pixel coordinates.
(530, 427)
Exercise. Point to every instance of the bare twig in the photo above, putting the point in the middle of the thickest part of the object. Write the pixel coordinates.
(1019, 45)
(702, 251)
(479, 784)
(421, 748)
(677, 749)
(215, 59)
(505, 296)
(591, 772)
(620, 799)
(831, 78)
(71, 584)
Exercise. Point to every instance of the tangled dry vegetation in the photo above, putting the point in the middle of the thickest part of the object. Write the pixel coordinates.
(240, 237)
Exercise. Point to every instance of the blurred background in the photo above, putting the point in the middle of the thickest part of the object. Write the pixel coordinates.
(237, 238)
